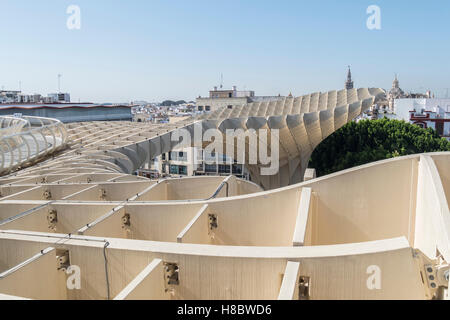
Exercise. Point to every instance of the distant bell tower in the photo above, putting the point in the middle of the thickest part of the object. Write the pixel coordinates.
(349, 82)
(396, 83)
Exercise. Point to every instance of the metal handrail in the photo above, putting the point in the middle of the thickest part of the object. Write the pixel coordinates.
(25, 139)
(219, 189)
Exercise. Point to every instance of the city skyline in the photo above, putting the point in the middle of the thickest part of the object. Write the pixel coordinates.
(157, 50)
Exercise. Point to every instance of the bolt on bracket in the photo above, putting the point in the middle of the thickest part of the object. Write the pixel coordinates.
(47, 195)
(52, 219)
(63, 260)
(171, 274)
(102, 194)
(434, 273)
(126, 221)
(304, 288)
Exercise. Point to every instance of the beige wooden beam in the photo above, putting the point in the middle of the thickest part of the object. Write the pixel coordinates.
(147, 285)
(196, 230)
(290, 281)
(302, 218)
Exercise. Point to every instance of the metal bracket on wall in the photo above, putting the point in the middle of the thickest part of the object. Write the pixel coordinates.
(304, 288)
(126, 221)
(47, 195)
(52, 218)
(102, 194)
(434, 274)
(213, 222)
(171, 273)
(62, 259)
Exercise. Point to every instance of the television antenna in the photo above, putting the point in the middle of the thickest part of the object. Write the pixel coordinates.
(59, 83)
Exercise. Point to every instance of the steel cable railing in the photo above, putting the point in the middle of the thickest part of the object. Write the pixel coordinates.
(26, 139)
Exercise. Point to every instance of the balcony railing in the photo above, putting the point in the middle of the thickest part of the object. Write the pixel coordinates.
(24, 140)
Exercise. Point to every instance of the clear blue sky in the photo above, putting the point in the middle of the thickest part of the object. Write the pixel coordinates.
(153, 50)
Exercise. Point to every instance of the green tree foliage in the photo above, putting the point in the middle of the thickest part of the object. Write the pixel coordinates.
(372, 140)
(169, 103)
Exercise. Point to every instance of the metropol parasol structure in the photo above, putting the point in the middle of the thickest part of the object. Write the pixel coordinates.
(75, 223)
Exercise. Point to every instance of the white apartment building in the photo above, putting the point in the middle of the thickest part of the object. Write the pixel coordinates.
(229, 99)
(60, 97)
(19, 97)
(426, 113)
(194, 162)
(9, 96)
